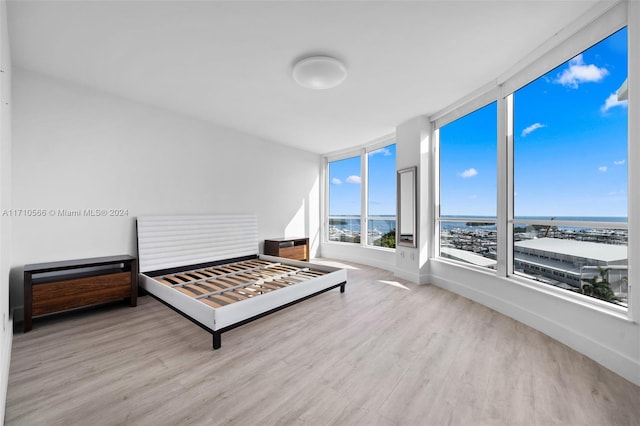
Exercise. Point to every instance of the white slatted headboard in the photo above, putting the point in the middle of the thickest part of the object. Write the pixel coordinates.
(173, 241)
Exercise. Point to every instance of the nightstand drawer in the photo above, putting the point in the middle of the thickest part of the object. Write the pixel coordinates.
(69, 284)
(295, 252)
(290, 248)
(75, 293)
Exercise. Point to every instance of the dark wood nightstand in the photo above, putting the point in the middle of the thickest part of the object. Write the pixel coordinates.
(291, 248)
(59, 286)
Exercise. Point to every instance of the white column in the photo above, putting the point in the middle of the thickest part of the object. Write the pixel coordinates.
(413, 149)
(633, 162)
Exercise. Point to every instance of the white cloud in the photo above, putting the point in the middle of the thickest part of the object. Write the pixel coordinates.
(336, 181)
(353, 179)
(602, 169)
(468, 173)
(612, 102)
(532, 128)
(383, 151)
(619, 162)
(579, 72)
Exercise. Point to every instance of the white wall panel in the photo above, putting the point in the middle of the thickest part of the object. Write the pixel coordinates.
(171, 241)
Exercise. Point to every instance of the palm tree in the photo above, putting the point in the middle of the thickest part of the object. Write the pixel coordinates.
(387, 240)
(599, 286)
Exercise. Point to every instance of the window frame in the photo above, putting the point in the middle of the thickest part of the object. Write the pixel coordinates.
(329, 159)
(485, 98)
(362, 152)
(602, 23)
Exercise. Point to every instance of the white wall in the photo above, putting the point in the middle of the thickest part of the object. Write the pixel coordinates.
(379, 258)
(5, 203)
(75, 148)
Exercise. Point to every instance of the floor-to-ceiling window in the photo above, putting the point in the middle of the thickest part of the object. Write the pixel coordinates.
(467, 188)
(548, 196)
(570, 174)
(345, 187)
(362, 197)
(381, 197)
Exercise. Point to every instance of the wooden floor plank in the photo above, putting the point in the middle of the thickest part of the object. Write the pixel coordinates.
(377, 354)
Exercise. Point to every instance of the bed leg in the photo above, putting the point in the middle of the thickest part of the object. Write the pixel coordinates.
(217, 340)
(342, 287)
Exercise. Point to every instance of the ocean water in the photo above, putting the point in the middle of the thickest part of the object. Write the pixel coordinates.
(383, 224)
(576, 218)
(563, 218)
(478, 220)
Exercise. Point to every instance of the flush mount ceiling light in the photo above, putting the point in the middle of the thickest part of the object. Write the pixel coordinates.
(319, 72)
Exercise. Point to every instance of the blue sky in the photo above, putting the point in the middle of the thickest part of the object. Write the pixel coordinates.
(570, 149)
(570, 143)
(345, 184)
(468, 156)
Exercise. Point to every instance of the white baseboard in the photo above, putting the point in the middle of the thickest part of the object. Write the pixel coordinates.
(406, 275)
(5, 363)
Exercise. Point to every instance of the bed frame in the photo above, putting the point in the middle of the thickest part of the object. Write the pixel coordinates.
(208, 269)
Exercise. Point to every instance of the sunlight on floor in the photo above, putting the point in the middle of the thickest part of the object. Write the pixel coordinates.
(334, 263)
(395, 284)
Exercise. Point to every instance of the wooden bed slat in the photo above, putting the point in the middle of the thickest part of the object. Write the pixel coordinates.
(270, 285)
(187, 277)
(221, 285)
(209, 288)
(222, 298)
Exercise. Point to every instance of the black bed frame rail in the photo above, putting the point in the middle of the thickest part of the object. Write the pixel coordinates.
(217, 334)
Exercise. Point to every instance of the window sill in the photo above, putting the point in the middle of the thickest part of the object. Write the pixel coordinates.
(358, 245)
(576, 298)
(588, 302)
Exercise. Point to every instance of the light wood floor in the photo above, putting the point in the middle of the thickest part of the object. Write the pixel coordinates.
(386, 352)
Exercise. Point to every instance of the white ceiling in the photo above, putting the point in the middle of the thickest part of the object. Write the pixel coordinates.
(230, 62)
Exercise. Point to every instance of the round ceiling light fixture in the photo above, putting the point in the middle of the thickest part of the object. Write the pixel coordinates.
(319, 72)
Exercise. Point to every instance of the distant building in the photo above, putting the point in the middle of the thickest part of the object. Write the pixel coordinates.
(565, 262)
(468, 257)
